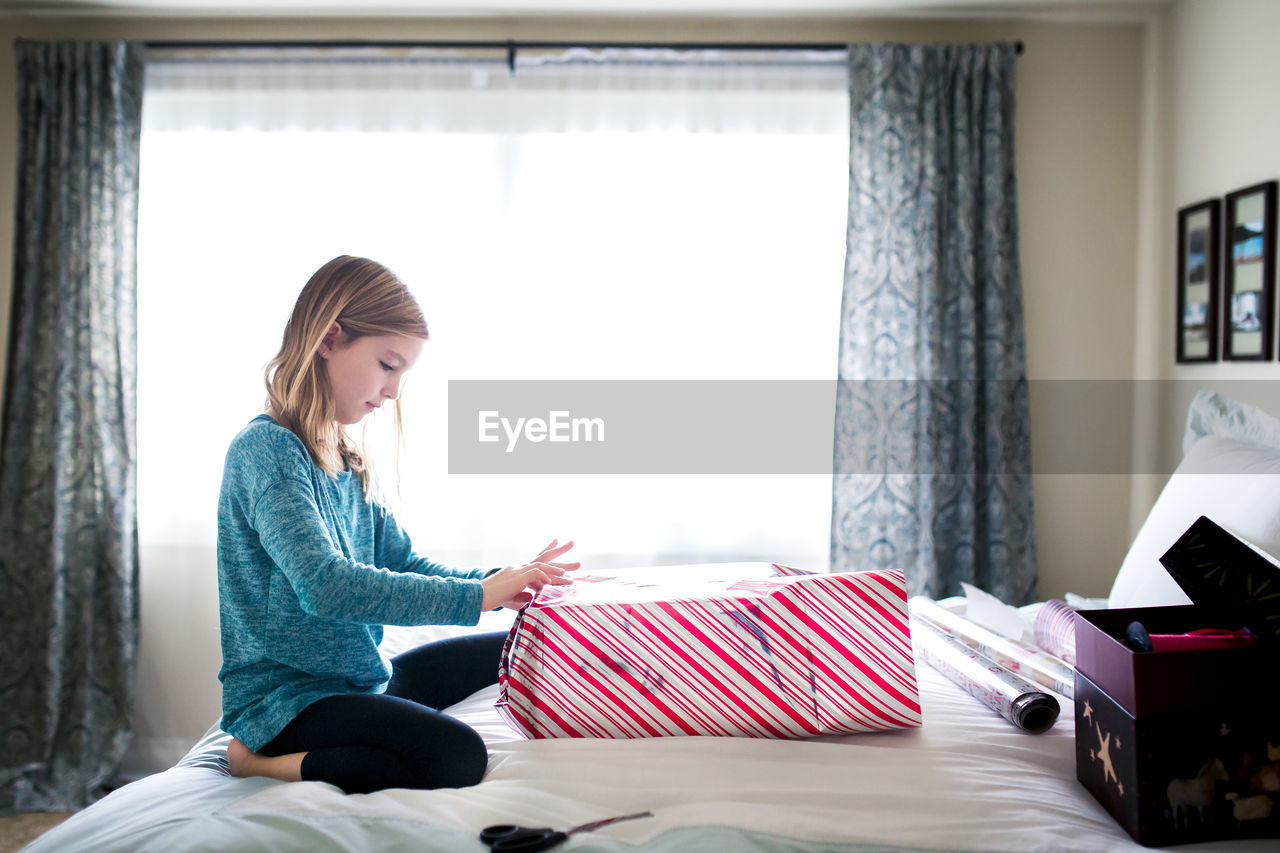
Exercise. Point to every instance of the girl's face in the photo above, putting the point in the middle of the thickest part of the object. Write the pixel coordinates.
(366, 372)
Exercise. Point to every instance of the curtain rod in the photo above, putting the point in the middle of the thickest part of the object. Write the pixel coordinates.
(510, 46)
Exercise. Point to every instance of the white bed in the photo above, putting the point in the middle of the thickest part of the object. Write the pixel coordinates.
(967, 780)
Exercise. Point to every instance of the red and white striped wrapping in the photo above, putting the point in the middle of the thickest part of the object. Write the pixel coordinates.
(741, 649)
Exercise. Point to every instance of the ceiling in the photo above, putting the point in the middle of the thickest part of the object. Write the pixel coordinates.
(592, 8)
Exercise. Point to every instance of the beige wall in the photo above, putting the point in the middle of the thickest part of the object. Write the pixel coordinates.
(1081, 129)
(1214, 127)
(1224, 134)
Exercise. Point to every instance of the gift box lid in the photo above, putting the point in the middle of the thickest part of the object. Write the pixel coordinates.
(1229, 577)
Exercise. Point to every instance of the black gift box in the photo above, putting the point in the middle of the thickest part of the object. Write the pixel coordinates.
(1184, 746)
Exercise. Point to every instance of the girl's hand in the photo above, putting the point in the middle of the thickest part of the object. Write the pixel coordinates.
(549, 553)
(509, 587)
(513, 587)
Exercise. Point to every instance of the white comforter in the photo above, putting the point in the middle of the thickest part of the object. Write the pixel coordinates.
(967, 780)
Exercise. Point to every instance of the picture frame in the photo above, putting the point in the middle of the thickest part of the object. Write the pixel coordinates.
(1249, 273)
(1199, 230)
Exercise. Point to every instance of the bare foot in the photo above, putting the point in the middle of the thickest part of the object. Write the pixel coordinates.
(244, 762)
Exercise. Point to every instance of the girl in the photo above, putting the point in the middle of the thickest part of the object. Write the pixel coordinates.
(311, 566)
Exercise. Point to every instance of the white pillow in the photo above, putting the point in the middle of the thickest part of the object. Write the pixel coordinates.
(1211, 413)
(1235, 483)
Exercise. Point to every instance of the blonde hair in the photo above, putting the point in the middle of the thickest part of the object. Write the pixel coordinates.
(364, 298)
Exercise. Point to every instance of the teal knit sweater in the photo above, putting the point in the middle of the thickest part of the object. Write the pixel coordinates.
(308, 573)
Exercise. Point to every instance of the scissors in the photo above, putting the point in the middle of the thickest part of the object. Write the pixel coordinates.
(508, 838)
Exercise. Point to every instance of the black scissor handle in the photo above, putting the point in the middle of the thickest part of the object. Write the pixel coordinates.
(506, 838)
(497, 832)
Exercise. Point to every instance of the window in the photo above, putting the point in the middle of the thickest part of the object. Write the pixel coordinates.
(552, 227)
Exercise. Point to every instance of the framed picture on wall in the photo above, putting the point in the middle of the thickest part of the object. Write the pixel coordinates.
(1198, 229)
(1249, 275)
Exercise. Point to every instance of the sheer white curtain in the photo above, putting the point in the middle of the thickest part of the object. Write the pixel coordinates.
(598, 214)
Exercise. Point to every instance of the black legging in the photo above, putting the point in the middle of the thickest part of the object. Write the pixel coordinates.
(365, 742)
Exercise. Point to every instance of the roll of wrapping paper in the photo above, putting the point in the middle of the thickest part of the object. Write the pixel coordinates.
(1027, 661)
(1004, 692)
(1056, 630)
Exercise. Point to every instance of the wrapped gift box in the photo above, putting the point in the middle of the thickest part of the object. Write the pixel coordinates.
(743, 649)
(1184, 746)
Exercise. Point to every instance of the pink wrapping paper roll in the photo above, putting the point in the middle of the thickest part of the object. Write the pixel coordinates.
(1056, 630)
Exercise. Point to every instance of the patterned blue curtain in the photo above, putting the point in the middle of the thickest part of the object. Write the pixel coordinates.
(68, 535)
(932, 453)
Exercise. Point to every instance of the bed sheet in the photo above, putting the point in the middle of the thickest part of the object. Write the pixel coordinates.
(966, 780)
